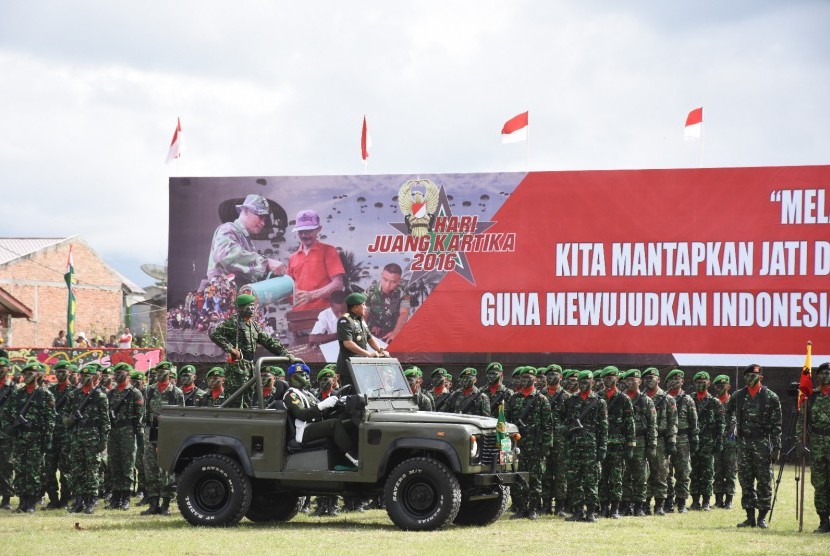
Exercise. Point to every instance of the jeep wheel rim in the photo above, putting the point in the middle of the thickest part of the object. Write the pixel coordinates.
(211, 493)
(420, 498)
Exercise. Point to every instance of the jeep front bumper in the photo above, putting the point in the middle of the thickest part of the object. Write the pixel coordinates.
(506, 478)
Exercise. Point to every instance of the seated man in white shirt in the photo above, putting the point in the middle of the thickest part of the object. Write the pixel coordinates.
(325, 329)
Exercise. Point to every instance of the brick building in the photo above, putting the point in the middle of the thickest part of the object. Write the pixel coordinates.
(32, 269)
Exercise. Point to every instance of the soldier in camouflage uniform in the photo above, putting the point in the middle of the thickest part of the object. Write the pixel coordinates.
(529, 410)
(440, 394)
(215, 394)
(666, 420)
(126, 405)
(726, 461)
(757, 413)
(159, 482)
(29, 418)
(186, 382)
(6, 467)
(687, 443)
(621, 443)
(645, 433)
(496, 391)
(569, 381)
(57, 459)
(88, 422)
(586, 420)
(388, 304)
(238, 336)
(554, 482)
(599, 387)
(274, 386)
(414, 377)
(137, 380)
(468, 399)
(817, 407)
(231, 250)
(710, 421)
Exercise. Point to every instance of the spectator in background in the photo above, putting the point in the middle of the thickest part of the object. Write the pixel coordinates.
(125, 341)
(60, 340)
(81, 341)
(325, 329)
(112, 343)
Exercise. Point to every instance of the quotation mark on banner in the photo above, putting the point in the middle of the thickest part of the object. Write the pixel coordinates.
(775, 196)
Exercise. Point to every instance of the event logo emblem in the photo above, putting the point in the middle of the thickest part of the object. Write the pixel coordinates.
(438, 239)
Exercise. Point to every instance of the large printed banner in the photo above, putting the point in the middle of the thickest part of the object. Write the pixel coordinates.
(702, 266)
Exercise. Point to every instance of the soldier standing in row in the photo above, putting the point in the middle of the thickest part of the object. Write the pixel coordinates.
(496, 391)
(666, 420)
(570, 381)
(126, 409)
(468, 399)
(645, 434)
(88, 422)
(726, 460)
(6, 466)
(554, 482)
(586, 419)
(621, 443)
(757, 412)
(57, 459)
(529, 410)
(215, 395)
(440, 394)
(414, 377)
(710, 419)
(159, 482)
(817, 407)
(186, 382)
(687, 441)
(137, 380)
(29, 417)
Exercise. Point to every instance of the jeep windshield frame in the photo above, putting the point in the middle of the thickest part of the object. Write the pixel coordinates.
(379, 378)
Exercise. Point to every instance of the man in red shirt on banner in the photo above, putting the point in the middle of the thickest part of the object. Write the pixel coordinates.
(316, 266)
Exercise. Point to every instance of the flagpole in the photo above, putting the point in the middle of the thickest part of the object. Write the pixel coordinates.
(701, 144)
(527, 149)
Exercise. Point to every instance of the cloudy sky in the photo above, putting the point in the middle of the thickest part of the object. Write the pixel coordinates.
(91, 92)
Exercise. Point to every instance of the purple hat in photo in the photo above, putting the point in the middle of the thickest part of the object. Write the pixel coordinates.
(306, 220)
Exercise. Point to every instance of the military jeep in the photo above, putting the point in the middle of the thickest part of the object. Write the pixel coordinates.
(432, 469)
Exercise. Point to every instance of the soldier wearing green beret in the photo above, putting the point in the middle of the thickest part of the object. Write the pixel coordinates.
(757, 413)
(645, 433)
(621, 444)
(159, 483)
(215, 394)
(126, 405)
(238, 336)
(414, 377)
(186, 381)
(468, 399)
(586, 419)
(106, 384)
(353, 334)
(554, 482)
(274, 385)
(28, 418)
(514, 377)
(137, 380)
(817, 409)
(497, 393)
(570, 381)
(6, 467)
(440, 394)
(726, 460)
(87, 419)
(710, 422)
(599, 387)
(687, 442)
(666, 419)
(529, 410)
(57, 458)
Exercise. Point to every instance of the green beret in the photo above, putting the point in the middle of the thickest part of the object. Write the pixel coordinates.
(163, 365)
(675, 372)
(568, 373)
(611, 367)
(469, 371)
(494, 365)
(355, 298)
(632, 373)
(90, 369)
(276, 371)
(651, 371)
(585, 375)
(4, 361)
(187, 369)
(553, 368)
(73, 368)
(721, 378)
(244, 299)
(106, 370)
(57, 366)
(702, 375)
(415, 368)
(324, 373)
(597, 374)
(35, 366)
(413, 371)
(610, 371)
(215, 371)
(439, 371)
(136, 375)
(528, 371)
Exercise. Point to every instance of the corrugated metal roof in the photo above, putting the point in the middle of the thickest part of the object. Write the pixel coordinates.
(12, 248)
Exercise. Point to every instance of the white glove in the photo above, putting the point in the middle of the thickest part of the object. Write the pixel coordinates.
(329, 402)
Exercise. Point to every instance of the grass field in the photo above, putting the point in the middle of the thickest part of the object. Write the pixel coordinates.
(713, 532)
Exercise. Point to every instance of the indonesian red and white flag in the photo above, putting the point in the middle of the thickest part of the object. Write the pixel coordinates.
(694, 124)
(175, 150)
(365, 141)
(515, 129)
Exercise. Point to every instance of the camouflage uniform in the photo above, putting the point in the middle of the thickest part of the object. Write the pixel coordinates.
(658, 466)
(621, 439)
(818, 440)
(244, 335)
(710, 419)
(554, 483)
(680, 467)
(57, 458)
(127, 410)
(385, 309)
(88, 441)
(645, 432)
(440, 398)
(531, 413)
(160, 483)
(496, 396)
(758, 420)
(207, 400)
(6, 467)
(726, 460)
(586, 448)
(232, 252)
(474, 403)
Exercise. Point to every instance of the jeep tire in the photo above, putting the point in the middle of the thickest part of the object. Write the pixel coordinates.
(421, 494)
(269, 505)
(213, 491)
(483, 512)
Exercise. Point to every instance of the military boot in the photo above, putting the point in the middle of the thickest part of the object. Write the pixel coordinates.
(659, 506)
(669, 505)
(153, 508)
(727, 502)
(559, 510)
(54, 501)
(718, 500)
(704, 505)
(647, 507)
(30, 507)
(532, 514)
(4, 503)
(614, 510)
(144, 499)
(89, 504)
(605, 509)
(823, 523)
(625, 509)
(164, 509)
(591, 514)
(762, 519)
(750, 518)
(125, 500)
(681, 505)
(639, 509)
(547, 507)
(578, 514)
(695, 503)
(77, 504)
(115, 500)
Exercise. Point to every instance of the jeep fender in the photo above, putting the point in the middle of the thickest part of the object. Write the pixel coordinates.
(234, 444)
(430, 444)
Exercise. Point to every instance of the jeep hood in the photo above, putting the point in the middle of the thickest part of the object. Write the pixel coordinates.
(483, 423)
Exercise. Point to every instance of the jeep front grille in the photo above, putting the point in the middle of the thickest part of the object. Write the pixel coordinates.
(489, 449)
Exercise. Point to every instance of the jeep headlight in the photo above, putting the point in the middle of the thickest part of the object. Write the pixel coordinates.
(474, 450)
